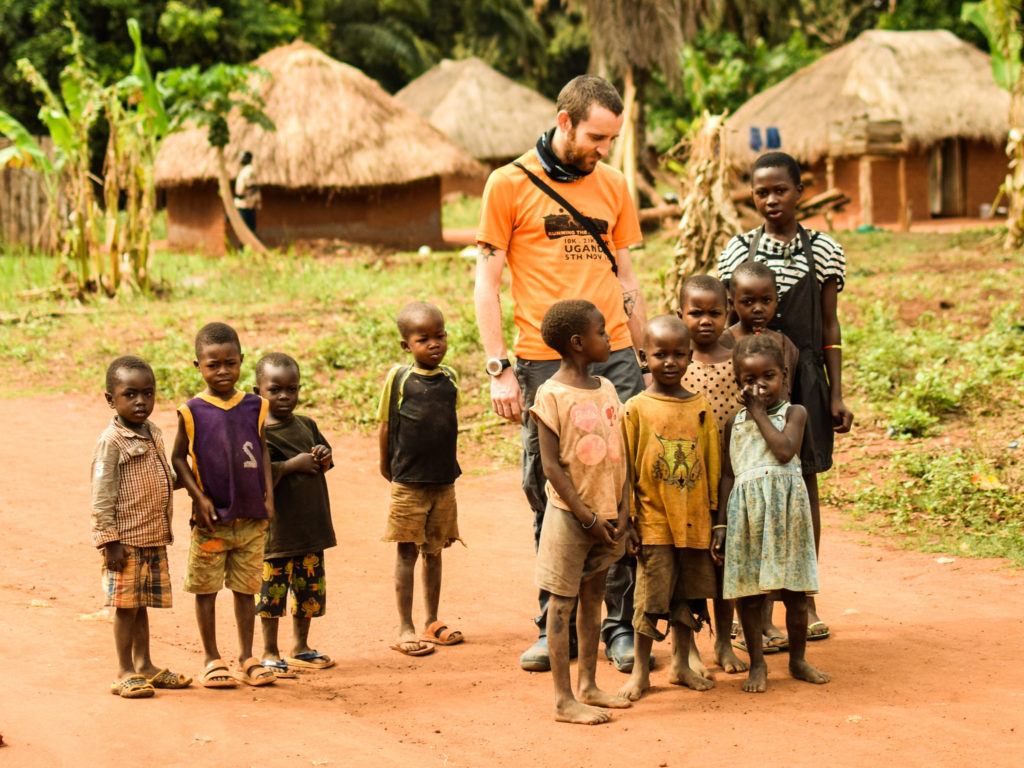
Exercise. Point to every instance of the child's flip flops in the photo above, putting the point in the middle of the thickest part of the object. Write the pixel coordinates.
(310, 660)
(133, 686)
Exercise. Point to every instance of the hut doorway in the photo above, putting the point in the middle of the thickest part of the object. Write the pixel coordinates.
(947, 178)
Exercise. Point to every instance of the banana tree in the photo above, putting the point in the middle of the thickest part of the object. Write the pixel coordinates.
(1000, 22)
(138, 123)
(68, 117)
(206, 99)
(25, 152)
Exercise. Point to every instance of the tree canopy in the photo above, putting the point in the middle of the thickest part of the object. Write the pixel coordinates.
(730, 46)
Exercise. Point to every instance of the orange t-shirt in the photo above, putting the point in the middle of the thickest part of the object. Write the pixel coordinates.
(550, 257)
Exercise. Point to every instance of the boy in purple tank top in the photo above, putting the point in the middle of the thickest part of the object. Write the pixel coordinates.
(220, 454)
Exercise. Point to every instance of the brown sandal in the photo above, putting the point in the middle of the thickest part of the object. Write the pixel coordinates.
(439, 634)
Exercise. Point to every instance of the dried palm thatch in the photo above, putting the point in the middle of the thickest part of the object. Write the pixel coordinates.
(934, 83)
(491, 116)
(708, 217)
(336, 128)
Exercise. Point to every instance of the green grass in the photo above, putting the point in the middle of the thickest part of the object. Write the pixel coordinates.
(461, 212)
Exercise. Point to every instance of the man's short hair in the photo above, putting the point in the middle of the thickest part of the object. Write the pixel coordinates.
(580, 93)
(565, 319)
(216, 333)
(412, 312)
(277, 360)
(129, 362)
(756, 270)
(703, 283)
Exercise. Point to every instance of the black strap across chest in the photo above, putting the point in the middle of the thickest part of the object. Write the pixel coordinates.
(799, 311)
(584, 221)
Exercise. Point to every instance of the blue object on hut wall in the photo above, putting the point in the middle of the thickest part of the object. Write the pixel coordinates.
(774, 141)
(755, 139)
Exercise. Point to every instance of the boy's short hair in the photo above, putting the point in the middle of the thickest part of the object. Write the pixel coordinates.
(130, 362)
(669, 322)
(582, 92)
(277, 360)
(758, 344)
(778, 160)
(756, 270)
(703, 283)
(412, 312)
(216, 333)
(565, 319)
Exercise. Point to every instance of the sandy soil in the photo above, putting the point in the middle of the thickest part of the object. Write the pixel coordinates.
(924, 655)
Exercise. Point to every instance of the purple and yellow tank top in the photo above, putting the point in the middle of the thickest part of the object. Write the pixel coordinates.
(224, 448)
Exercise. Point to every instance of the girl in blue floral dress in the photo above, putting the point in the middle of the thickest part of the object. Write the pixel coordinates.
(764, 534)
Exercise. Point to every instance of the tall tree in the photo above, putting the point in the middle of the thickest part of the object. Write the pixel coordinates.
(632, 39)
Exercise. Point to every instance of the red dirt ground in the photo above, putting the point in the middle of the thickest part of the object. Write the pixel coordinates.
(924, 657)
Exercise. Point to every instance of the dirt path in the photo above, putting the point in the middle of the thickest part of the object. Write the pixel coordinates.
(893, 698)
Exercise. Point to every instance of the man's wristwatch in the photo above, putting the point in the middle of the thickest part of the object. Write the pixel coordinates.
(496, 365)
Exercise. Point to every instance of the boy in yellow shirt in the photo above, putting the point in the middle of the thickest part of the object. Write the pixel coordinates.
(673, 455)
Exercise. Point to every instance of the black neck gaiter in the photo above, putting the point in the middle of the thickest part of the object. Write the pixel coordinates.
(553, 167)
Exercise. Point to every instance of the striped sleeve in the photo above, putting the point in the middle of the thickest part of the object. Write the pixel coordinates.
(829, 259)
(734, 254)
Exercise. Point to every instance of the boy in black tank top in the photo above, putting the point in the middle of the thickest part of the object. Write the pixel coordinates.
(418, 435)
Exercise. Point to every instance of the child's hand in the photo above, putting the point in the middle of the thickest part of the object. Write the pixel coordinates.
(304, 464)
(718, 545)
(323, 455)
(268, 505)
(842, 417)
(115, 556)
(204, 513)
(754, 398)
(603, 532)
(632, 541)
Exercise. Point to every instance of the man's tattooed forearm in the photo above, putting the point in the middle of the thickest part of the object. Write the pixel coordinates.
(629, 302)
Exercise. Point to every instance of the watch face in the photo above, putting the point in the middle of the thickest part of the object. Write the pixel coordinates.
(493, 367)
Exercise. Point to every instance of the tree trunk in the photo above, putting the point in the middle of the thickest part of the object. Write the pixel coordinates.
(1015, 175)
(245, 235)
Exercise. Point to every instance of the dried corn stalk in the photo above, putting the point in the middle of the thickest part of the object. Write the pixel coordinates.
(708, 216)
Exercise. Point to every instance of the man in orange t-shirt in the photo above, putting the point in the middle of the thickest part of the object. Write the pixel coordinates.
(553, 257)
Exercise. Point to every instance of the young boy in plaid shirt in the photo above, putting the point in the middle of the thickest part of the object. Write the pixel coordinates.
(132, 484)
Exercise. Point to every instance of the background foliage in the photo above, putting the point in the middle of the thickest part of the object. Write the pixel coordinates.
(733, 49)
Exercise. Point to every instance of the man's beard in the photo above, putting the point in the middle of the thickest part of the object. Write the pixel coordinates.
(585, 161)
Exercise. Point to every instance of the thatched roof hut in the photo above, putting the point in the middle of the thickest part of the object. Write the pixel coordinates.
(492, 116)
(345, 152)
(935, 88)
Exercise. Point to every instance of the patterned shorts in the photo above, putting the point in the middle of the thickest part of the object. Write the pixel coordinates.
(145, 581)
(304, 576)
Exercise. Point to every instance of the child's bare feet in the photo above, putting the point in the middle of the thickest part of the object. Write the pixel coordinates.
(683, 675)
(727, 659)
(696, 663)
(595, 697)
(801, 670)
(637, 684)
(573, 711)
(757, 680)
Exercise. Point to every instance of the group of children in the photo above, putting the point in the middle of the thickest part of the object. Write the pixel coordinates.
(260, 513)
(703, 476)
(261, 516)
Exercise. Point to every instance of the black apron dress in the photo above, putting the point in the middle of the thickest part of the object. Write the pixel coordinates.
(799, 317)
